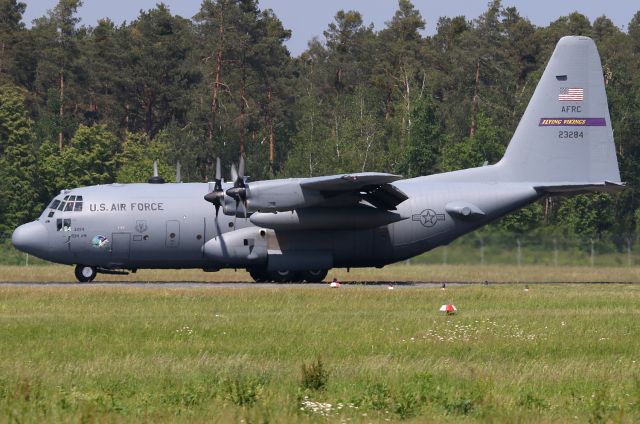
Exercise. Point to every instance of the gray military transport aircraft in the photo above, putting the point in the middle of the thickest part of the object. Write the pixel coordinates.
(297, 229)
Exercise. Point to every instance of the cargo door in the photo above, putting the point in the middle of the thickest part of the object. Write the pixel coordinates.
(173, 234)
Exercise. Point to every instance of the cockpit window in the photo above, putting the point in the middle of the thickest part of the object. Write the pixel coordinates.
(63, 225)
(69, 204)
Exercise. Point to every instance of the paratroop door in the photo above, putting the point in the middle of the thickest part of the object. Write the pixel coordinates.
(173, 234)
(120, 247)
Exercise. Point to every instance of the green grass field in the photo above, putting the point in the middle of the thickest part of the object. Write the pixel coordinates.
(555, 353)
(399, 272)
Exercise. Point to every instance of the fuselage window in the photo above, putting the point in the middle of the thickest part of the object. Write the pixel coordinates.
(78, 198)
(77, 207)
(51, 213)
(61, 206)
(58, 224)
(66, 197)
(54, 204)
(69, 206)
(66, 225)
(72, 198)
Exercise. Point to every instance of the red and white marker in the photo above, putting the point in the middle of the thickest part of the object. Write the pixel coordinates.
(449, 308)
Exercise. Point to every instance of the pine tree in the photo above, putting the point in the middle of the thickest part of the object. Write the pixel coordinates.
(18, 165)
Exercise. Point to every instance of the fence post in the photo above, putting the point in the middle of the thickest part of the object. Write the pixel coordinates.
(555, 251)
(26, 259)
(592, 252)
(519, 257)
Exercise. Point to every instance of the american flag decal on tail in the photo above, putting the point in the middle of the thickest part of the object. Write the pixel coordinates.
(571, 95)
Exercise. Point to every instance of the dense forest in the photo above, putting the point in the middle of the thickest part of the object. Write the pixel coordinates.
(82, 104)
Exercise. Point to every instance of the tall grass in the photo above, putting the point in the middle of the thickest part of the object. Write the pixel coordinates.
(553, 353)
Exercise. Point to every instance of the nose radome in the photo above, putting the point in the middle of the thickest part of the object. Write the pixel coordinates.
(31, 237)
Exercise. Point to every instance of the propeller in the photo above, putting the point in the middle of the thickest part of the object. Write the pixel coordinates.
(239, 190)
(216, 195)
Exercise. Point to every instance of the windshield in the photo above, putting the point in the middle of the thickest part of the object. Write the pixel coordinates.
(70, 203)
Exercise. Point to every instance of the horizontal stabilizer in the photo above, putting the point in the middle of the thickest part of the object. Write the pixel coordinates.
(572, 188)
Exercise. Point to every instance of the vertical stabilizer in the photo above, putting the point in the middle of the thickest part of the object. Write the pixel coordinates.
(565, 135)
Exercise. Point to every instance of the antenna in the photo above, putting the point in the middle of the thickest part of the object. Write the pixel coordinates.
(155, 179)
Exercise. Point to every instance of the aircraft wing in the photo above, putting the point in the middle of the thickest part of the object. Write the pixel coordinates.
(333, 191)
(373, 187)
(348, 181)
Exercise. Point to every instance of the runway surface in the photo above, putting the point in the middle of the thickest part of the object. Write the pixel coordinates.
(374, 285)
(231, 285)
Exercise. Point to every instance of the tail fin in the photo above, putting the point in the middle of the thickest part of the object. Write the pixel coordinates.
(564, 138)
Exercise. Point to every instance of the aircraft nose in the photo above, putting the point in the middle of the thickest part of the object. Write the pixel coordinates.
(31, 237)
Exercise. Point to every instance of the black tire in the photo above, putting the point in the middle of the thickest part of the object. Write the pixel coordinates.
(283, 276)
(259, 275)
(314, 275)
(85, 273)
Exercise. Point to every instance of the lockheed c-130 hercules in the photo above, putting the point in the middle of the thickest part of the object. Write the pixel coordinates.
(298, 229)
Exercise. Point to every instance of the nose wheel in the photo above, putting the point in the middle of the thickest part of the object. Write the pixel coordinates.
(85, 273)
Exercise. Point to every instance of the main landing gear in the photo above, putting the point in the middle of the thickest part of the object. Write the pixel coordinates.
(85, 273)
(287, 276)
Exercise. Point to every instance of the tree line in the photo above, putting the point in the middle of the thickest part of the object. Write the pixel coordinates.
(83, 104)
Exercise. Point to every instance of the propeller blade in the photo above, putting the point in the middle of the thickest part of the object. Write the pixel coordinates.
(178, 173)
(155, 168)
(244, 208)
(235, 215)
(241, 168)
(217, 209)
(218, 170)
(234, 172)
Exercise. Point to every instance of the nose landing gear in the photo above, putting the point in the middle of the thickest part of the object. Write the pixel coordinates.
(85, 273)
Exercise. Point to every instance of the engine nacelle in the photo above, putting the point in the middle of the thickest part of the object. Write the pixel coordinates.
(280, 195)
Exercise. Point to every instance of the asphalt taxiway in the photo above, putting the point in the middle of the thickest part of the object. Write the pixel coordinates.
(248, 285)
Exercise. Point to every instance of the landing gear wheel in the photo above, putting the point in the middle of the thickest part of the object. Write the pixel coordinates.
(313, 275)
(283, 276)
(85, 273)
(259, 275)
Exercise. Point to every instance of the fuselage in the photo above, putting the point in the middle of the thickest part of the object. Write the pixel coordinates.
(131, 226)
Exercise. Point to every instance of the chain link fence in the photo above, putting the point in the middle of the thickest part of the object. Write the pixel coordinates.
(536, 249)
